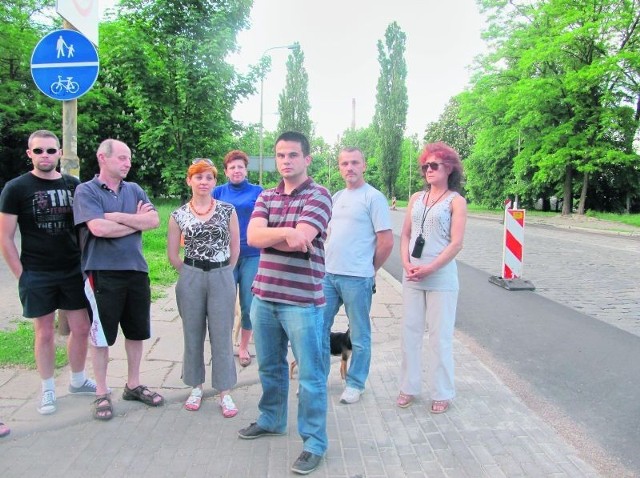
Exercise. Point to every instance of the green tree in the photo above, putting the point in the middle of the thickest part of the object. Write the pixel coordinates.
(450, 129)
(173, 76)
(293, 103)
(23, 108)
(391, 104)
(554, 101)
(410, 178)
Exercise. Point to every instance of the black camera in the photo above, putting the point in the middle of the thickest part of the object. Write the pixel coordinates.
(418, 246)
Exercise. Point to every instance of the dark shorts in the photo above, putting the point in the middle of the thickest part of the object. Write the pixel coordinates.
(43, 292)
(118, 298)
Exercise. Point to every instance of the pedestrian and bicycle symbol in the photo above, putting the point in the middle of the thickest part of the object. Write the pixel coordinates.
(64, 65)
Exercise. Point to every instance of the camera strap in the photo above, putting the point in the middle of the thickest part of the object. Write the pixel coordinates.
(428, 208)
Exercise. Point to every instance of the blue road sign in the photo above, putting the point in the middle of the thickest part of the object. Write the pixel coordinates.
(64, 65)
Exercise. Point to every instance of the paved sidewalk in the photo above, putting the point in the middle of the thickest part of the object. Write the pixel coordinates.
(487, 432)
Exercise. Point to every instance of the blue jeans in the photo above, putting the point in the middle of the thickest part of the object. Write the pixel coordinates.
(274, 326)
(355, 293)
(244, 273)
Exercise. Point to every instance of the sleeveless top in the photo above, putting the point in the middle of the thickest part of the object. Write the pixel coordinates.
(436, 232)
(206, 240)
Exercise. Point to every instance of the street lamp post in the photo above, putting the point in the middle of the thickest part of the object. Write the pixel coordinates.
(293, 46)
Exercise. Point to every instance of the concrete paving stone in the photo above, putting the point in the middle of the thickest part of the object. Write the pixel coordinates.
(462, 451)
(450, 433)
(416, 436)
(373, 465)
(389, 457)
(518, 453)
(427, 426)
(541, 461)
(482, 455)
(411, 463)
(424, 452)
(532, 470)
(528, 443)
(368, 447)
(6, 374)
(446, 458)
(21, 386)
(573, 471)
(510, 466)
(436, 441)
(404, 449)
(495, 447)
(432, 469)
(493, 471)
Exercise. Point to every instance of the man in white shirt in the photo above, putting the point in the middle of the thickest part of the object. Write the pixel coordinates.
(360, 241)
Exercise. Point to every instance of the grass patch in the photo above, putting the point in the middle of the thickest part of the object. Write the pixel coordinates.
(629, 219)
(154, 246)
(16, 347)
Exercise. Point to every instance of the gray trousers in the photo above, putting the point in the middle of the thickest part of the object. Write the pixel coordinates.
(206, 300)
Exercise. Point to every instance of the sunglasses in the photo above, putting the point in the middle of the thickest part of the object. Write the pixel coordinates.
(434, 166)
(48, 150)
(202, 160)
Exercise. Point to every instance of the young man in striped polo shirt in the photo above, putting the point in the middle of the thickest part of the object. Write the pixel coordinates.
(289, 224)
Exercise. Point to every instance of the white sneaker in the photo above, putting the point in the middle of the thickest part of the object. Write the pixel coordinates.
(350, 395)
(47, 403)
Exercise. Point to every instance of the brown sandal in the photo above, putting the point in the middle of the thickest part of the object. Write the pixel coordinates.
(103, 412)
(142, 394)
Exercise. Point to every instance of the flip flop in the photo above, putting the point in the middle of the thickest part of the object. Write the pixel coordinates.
(4, 430)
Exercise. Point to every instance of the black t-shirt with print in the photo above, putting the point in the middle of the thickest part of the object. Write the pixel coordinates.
(45, 217)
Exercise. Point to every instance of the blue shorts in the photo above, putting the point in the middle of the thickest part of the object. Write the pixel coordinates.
(43, 292)
(118, 298)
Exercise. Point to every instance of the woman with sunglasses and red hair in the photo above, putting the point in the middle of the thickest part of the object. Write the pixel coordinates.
(431, 238)
(206, 291)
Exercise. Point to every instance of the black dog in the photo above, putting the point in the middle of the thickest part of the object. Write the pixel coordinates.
(339, 344)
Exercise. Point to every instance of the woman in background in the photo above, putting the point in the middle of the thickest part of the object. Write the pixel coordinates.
(242, 194)
(431, 238)
(205, 291)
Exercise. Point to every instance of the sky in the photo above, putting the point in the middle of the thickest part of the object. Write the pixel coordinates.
(339, 41)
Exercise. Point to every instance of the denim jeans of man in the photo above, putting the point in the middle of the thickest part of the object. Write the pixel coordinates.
(244, 273)
(356, 295)
(275, 325)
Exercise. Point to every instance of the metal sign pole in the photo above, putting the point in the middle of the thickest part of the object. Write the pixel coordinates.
(69, 162)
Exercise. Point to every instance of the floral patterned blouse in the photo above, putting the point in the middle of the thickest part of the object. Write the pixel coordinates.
(205, 240)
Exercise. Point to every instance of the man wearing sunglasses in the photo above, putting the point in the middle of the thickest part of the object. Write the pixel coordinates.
(40, 203)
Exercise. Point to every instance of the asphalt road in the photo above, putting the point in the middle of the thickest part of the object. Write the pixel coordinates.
(578, 371)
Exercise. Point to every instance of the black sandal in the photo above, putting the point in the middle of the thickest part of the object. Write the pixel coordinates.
(103, 412)
(142, 394)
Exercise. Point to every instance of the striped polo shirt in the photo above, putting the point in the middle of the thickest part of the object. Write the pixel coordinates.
(293, 277)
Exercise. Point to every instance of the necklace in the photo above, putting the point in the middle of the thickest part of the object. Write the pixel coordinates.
(193, 208)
